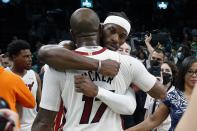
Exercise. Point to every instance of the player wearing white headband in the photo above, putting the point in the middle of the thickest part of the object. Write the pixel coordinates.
(118, 21)
(116, 28)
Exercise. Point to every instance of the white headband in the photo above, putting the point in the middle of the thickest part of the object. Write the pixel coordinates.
(118, 21)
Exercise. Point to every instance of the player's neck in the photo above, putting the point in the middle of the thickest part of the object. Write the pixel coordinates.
(19, 71)
(87, 41)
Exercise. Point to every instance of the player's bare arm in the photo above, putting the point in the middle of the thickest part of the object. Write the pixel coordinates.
(44, 120)
(38, 95)
(153, 120)
(158, 91)
(62, 59)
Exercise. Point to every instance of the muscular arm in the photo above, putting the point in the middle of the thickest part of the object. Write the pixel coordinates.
(44, 120)
(62, 59)
(158, 91)
(153, 120)
(146, 81)
(38, 94)
(19, 109)
(148, 45)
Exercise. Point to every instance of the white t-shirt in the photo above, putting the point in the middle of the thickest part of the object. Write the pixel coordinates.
(90, 114)
(28, 115)
(149, 107)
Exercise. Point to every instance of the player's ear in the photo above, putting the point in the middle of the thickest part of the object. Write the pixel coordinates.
(101, 28)
(13, 57)
(72, 36)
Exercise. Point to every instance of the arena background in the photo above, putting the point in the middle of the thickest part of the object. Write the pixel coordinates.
(47, 21)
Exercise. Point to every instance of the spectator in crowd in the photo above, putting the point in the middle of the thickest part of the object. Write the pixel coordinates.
(168, 74)
(156, 59)
(194, 42)
(19, 52)
(166, 49)
(5, 61)
(141, 55)
(182, 52)
(186, 35)
(124, 49)
(157, 52)
(176, 101)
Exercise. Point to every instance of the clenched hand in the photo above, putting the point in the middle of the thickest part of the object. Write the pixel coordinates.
(84, 85)
(109, 67)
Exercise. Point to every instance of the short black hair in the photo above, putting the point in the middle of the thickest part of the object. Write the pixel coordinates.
(159, 50)
(185, 50)
(174, 70)
(5, 55)
(16, 46)
(186, 64)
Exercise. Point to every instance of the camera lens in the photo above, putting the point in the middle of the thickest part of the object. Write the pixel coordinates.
(3, 104)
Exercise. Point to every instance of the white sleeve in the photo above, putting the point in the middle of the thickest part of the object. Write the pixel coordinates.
(51, 95)
(142, 78)
(147, 102)
(121, 104)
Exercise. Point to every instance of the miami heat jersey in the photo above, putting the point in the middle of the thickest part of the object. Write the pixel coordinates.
(86, 113)
(28, 115)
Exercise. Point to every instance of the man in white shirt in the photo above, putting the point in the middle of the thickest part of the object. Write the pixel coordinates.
(20, 54)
